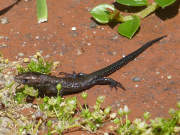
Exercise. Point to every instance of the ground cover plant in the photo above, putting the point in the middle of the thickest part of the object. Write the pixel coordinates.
(107, 13)
(62, 115)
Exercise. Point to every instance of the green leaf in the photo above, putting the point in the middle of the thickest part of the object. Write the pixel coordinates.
(164, 3)
(128, 28)
(133, 2)
(42, 13)
(40, 66)
(102, 14)
(30, 91)
(20, 97)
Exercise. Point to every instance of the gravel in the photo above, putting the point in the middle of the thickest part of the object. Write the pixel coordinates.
(3, 45)
(115, 37)
(93, 25)
(21, 54)
(136, 79)
(4, 20)
(73, 28)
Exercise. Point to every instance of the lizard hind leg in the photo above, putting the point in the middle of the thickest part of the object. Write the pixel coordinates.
(109, 81)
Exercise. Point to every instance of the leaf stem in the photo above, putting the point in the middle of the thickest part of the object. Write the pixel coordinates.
(150, 8)
(142, 14)
(37, 127)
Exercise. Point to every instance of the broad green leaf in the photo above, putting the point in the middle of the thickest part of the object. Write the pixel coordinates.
(101, 13)
(128, 28)
(42, 13)
(164, 3)
(133, 2)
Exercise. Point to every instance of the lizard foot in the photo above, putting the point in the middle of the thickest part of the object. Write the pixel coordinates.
(109, 81)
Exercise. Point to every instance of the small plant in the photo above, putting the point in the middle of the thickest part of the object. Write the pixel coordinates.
(92, 120)
(147, 126)
(61, 115)
(38, 64)
(106, 13)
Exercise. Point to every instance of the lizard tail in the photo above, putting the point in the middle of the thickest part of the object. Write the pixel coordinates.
(120, 63)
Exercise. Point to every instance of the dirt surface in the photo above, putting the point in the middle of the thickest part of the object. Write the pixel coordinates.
(92, 46)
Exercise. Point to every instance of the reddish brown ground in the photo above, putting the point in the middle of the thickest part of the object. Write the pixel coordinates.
(88, 49)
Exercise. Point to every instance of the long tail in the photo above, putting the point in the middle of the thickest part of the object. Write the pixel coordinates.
(120, 63)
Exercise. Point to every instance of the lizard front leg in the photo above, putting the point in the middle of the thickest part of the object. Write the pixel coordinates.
(108, 81)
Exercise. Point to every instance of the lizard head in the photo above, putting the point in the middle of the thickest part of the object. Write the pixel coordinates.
(29, 78)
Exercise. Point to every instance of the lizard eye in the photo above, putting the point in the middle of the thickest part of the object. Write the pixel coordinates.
(25, 81)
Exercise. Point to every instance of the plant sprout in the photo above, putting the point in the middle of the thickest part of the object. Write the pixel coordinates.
(106, 13)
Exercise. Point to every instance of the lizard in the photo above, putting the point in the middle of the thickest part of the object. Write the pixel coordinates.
(78, 82)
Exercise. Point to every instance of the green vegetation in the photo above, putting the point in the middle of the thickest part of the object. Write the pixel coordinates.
(42, 12)
(61, 115)
(106, 13)
(38, 64)
(71, 114)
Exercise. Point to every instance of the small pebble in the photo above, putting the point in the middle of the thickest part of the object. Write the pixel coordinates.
(28, 36)
(26, 60)
(93, 25)
(21, 54)
(37, 37)
(115, 37)
(89, 44)
(113, 53)
(88, 9)
(118, 105)
(73, 28)
(47, 56)
(165, 89)
(136, 79)
(79, 51)
(1, 37)
(61, 54)
(157, 72)
(4, 20)
(169, 77)
(24, 44)
(4, 37)
(3, 45)
(74, 34)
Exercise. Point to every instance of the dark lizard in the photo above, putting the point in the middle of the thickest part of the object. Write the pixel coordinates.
(77, 82)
